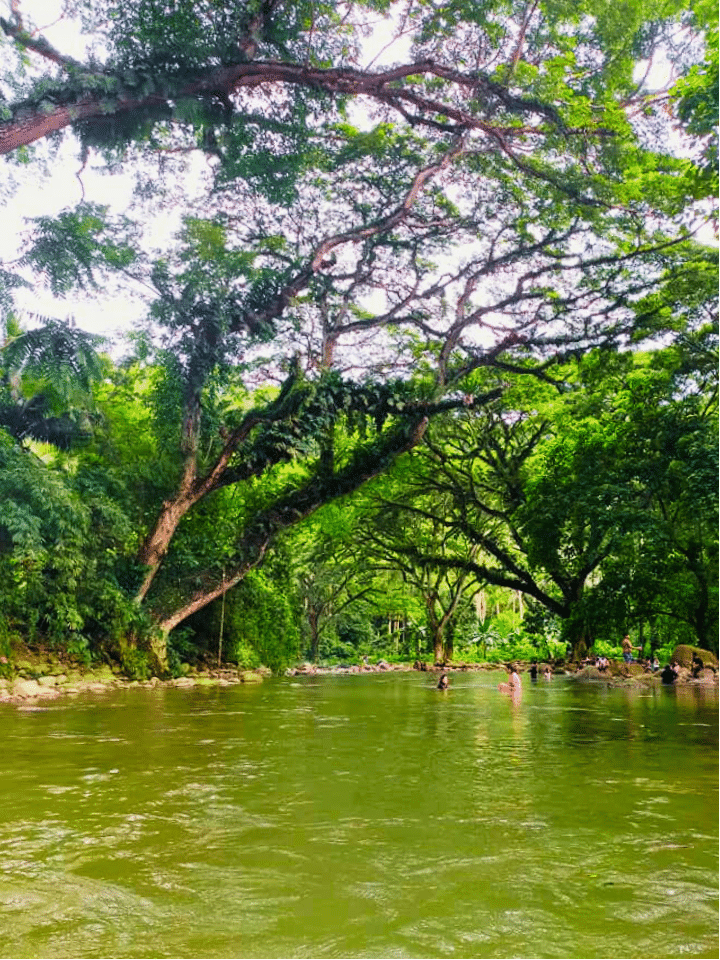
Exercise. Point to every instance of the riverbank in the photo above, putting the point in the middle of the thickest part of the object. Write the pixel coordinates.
(38, 677)
(617, 674)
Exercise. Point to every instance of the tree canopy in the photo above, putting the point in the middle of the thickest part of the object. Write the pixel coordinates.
(579, 497)
(375, 203)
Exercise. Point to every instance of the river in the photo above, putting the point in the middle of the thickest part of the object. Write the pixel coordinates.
(362, 816)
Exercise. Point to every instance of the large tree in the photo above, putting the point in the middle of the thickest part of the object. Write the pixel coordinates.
(596, 497)
(396, 541)
(492, 188)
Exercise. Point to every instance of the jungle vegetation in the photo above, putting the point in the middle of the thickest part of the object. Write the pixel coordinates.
(429, 358)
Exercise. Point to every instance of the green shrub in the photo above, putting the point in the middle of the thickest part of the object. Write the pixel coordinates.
(181, 647)
(664, 653)
(259, 617)
(244, 656)
(493, 647)
(135, 663)
(607, 648)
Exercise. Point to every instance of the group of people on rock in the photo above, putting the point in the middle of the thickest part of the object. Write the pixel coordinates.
(513, 685)
(669, 673)
(601, 663)
(651, 664)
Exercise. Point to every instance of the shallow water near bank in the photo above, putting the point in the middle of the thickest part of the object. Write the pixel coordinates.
(362, 816)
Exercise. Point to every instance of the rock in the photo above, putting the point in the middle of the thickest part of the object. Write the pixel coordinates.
(31, 688)
(631, 670)
(46, 681)
(26, 688)
(249, 676)
(184, 682)
(683, 655)
(383, 665)
(103, 674)
(588, 673)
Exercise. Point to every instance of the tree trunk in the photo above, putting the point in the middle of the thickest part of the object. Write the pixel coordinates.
(705, 629)
(157, 648)
(448, 647)
(436, 626)
(286, 512)
(205, 595)
(157, 542)
(313, 619)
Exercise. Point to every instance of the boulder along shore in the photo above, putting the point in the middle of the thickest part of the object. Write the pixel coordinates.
(34, 679)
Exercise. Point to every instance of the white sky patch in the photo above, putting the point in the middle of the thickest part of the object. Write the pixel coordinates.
(46, 18)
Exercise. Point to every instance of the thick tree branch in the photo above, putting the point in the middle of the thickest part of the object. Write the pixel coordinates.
(290, 510)
(30, 121)
(516, 580)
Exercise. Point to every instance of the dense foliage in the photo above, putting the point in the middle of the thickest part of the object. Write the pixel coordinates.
(466, 230)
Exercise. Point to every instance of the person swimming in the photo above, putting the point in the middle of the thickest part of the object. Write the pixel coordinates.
(443, 682)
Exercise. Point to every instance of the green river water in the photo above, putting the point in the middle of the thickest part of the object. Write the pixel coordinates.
(361, 816)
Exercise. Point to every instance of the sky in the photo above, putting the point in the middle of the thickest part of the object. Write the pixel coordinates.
(100, 314)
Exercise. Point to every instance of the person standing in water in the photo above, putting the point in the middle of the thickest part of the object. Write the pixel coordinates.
(514, 683)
